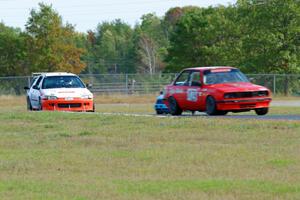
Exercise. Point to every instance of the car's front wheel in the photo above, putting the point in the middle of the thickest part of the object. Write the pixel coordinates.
(40, 105)
(222, 112)
(29, 107)
(262, 111)
(174, 107)
(211, 106)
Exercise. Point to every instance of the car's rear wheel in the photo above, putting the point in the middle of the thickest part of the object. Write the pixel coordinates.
(29, 107)
(174, 107)
(262, 111)
(211, 106)
(222, 112)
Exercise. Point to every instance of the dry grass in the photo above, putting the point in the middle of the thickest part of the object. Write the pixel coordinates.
(51, 155)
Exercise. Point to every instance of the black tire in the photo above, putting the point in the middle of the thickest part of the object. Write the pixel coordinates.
(211, 106)
(40, 105)
(262, 111)
(158, 112)
(222, 112)
(29, 107)
(94, 109)
(174, 107)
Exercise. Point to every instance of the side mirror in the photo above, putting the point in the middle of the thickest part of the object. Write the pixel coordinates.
(196, 84)
(26, 88)
(36, 87)
(251, 79)
(89, 85)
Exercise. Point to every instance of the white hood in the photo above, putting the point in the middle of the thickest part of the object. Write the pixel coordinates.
(67, 92)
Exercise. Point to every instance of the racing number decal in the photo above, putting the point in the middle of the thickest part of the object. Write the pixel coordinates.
(192, 95)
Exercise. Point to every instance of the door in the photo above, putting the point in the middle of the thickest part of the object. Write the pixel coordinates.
(194, 92)
(179, 89)
(35, 94)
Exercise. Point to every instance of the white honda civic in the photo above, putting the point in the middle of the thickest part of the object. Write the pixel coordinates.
(59, 91)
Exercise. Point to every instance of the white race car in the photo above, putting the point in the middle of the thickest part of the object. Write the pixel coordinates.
(59, 91)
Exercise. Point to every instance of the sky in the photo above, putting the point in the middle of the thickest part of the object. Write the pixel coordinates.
(87, 14)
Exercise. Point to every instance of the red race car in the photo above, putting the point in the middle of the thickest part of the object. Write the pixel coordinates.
(216, 90)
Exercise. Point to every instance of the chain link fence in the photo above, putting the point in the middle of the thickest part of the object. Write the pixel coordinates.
(279, 84)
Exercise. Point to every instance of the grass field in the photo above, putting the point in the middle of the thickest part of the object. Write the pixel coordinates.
(51, 155)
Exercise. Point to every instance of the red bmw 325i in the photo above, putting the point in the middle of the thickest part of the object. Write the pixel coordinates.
(217, 91)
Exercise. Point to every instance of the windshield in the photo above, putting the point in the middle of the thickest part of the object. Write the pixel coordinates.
(218, 76)
(62, 82)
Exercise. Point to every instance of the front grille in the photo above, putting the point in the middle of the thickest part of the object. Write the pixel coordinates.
(246, 94)
(247, 106)
(69, 105)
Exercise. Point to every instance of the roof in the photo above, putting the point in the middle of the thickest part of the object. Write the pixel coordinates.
(53, 74)
(210, 68)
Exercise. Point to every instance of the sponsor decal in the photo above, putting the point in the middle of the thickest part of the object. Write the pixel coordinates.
(220, 70)
(66, 92)
(172, 91)
(192, 95)
(178, 91)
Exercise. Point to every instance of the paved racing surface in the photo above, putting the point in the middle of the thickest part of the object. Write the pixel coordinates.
(254, 117)
(292, 103)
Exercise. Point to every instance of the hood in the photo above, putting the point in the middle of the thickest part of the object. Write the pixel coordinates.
(67, 92)
(238, 87)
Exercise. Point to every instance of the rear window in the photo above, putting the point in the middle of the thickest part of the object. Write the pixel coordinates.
(51, 82)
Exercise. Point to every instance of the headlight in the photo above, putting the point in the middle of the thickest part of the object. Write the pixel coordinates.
(49, 97)
(230, 96)
(263, 93)
(87, 96)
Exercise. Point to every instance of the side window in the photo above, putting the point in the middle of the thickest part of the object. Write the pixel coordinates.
(195, 79)
(33, 80)
(183, 79)
(37, 83)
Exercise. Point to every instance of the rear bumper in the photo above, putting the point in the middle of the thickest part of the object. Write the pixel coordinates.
(76, 104)
(243, 104)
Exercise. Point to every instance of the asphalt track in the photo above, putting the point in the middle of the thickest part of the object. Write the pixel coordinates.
(229, 116)
(203, 115)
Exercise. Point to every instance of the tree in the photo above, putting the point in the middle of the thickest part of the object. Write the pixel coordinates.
(51, 43)
(148, 54)
(13, 52)
(271, 35)
(203, 37)
(112, 48)
(151, 44)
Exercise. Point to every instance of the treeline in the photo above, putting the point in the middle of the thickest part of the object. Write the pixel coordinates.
(258, 36)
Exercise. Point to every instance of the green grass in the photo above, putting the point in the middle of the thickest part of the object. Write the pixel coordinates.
(52, 155)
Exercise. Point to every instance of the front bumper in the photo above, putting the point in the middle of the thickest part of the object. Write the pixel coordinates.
(243, 104)
(77, 104)
(161, 108)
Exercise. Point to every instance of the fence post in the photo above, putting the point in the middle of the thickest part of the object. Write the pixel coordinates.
(274, 84)
(28, 81)
(126, 82)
